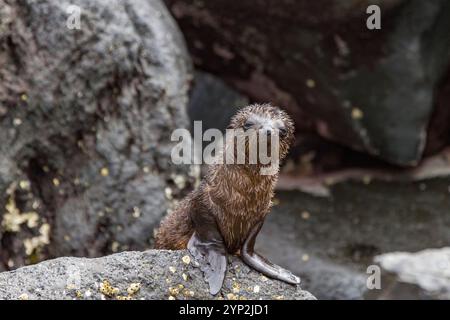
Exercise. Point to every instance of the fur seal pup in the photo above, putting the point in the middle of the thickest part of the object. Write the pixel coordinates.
(226, 212)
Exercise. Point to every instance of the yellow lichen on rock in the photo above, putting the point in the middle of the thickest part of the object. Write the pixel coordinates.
(71, 286)
(305, 215)
(357, 114)
(231, 296)
(310, 83)
(236, 287)
(24, 185)
(108, 290)
(175, 291)
(133, 288)
(104, 172)
(23, 296)
(13, 218)
(115, 246)
(179, 180)
(33, 244)
(188, 293)
(56, 182)
(186, 259)
(136, 212)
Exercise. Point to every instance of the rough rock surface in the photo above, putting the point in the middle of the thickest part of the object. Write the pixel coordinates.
(419, 275)
(372, 90)
(157, 274)
(85, 122)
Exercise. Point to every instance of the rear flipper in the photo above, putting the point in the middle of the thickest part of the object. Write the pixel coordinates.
(207, 247)
(212, 260)
(261, 264)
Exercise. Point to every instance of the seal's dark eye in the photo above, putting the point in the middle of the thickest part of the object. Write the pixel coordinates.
(248, 125)
(283, 132)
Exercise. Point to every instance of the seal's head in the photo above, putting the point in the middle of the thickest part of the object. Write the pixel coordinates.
(266, 120)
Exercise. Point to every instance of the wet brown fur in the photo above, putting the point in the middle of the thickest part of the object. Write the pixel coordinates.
(238, 196)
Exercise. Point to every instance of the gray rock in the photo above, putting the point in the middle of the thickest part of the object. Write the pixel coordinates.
(423, 274)
(213, 102)
(85, 122)
(331, 241)
(160, 275)
(371, 90)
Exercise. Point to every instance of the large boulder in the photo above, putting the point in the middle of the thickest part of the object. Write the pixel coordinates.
(138, 275)
(213, 102)
(85, 122)
(372, 90)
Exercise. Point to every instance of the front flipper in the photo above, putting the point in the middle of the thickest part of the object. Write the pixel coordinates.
(261, 264)
(207, 247)
(212, 260)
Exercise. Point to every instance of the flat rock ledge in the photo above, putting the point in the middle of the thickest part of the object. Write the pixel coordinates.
(148, 275)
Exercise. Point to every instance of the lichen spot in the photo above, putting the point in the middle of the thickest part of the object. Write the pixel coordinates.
(310, 83)
(357, 114)
(104, 172)
(133, 288)
(23, 296)
(186, 259)
(107, 289)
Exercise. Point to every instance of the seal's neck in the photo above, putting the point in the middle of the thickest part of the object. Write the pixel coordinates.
(251, 173)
